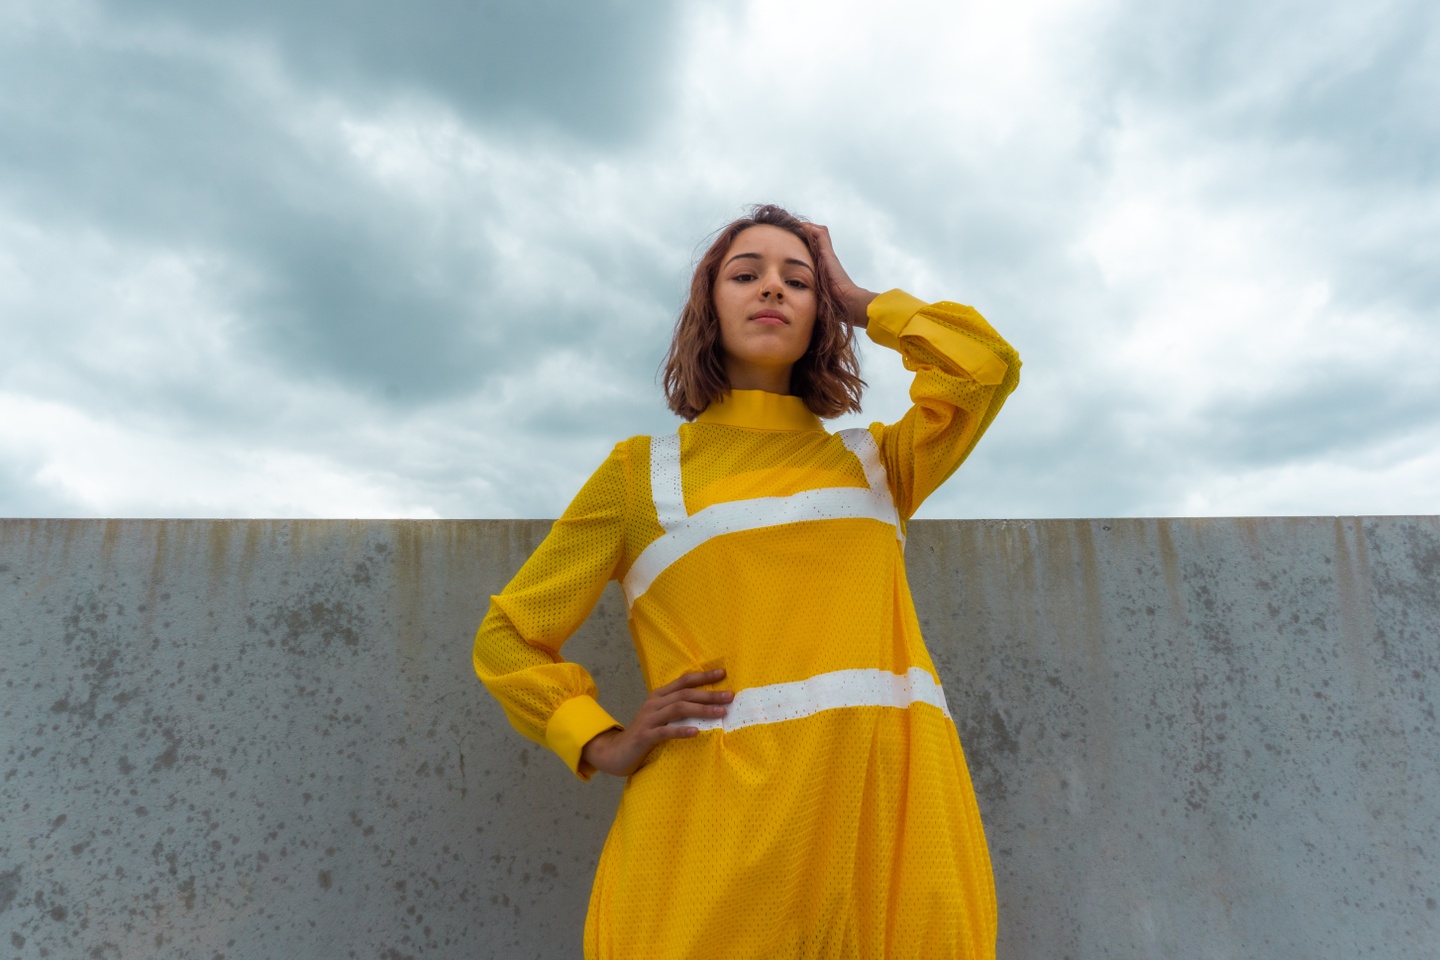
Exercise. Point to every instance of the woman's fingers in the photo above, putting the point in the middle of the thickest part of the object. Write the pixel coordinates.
(823, 243)
(681, 709)
(696, 679)
(675, 733)
(696, 696)
(854, 298)
(692, 703)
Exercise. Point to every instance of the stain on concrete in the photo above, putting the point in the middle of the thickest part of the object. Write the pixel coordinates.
(301, 626)
(989, 743)
(9, 888)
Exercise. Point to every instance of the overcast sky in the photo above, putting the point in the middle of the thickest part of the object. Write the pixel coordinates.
(368, 258)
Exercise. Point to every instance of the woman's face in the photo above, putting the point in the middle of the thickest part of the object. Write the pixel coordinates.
(765, 298)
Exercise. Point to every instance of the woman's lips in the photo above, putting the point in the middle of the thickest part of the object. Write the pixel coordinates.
(772, 318)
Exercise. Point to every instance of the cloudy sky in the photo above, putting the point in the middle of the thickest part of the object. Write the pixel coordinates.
(371, 258)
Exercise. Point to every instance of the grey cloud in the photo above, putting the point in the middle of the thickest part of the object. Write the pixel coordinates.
(592, 69)
(168, 152)
(1339, 98)
(1378, 115)
(1097, 449)
(1361, 84)
(1062, 452)
(1331, 412)
(385, 306)
(1364, 97)
(333, 277)
(571, 417)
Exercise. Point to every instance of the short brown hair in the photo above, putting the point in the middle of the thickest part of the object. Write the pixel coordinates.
(827, 377)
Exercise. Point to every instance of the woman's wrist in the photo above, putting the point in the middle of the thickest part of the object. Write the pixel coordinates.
(593, 751)
(857, 302)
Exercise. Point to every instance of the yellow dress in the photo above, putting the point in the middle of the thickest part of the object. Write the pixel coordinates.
(830, 813)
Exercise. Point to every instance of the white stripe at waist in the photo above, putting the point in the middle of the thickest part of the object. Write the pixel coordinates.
(778, 702)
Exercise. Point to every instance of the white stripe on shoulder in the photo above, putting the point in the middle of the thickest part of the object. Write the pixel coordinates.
(861, 442)
(779, 702)
(665, 480)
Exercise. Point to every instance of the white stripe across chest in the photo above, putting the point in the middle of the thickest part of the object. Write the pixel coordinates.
(684, 532)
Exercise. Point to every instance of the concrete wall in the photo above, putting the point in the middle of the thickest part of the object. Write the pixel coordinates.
(258, 739)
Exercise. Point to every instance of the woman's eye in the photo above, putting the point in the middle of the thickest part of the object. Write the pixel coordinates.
(799, 284)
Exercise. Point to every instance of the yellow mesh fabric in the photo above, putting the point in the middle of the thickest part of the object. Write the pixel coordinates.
(848, 832)
(867, 845)
(747, 463)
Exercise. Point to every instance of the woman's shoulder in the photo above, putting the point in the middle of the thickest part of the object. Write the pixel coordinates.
(636, 446)
(633, 451)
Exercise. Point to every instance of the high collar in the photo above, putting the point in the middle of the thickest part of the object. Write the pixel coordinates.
(760, 410)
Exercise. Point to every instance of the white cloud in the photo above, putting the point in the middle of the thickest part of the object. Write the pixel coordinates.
(1401, 476)
(103, 466)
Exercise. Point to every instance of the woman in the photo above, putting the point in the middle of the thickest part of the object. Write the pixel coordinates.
(796, 786)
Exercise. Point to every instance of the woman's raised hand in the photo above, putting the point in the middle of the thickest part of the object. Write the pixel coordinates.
(622, 752)
(854, 297)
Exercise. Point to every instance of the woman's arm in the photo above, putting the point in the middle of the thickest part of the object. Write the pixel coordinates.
(964, 371)
(517, 648)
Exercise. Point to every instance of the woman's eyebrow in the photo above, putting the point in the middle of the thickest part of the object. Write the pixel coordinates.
(756, 256)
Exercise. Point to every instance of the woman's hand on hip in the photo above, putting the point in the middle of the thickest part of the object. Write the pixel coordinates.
(622, 752)
(853, 297)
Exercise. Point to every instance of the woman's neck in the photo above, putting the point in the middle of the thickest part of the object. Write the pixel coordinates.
(749, 376)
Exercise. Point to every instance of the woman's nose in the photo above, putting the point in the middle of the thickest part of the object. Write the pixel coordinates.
(772, 285)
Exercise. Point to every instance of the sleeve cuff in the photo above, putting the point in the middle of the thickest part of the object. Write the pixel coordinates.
(888, 314)
(896, 314)
(575, 724)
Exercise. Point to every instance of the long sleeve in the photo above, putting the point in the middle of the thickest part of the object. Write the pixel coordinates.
(517, 648)
(963, 369)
